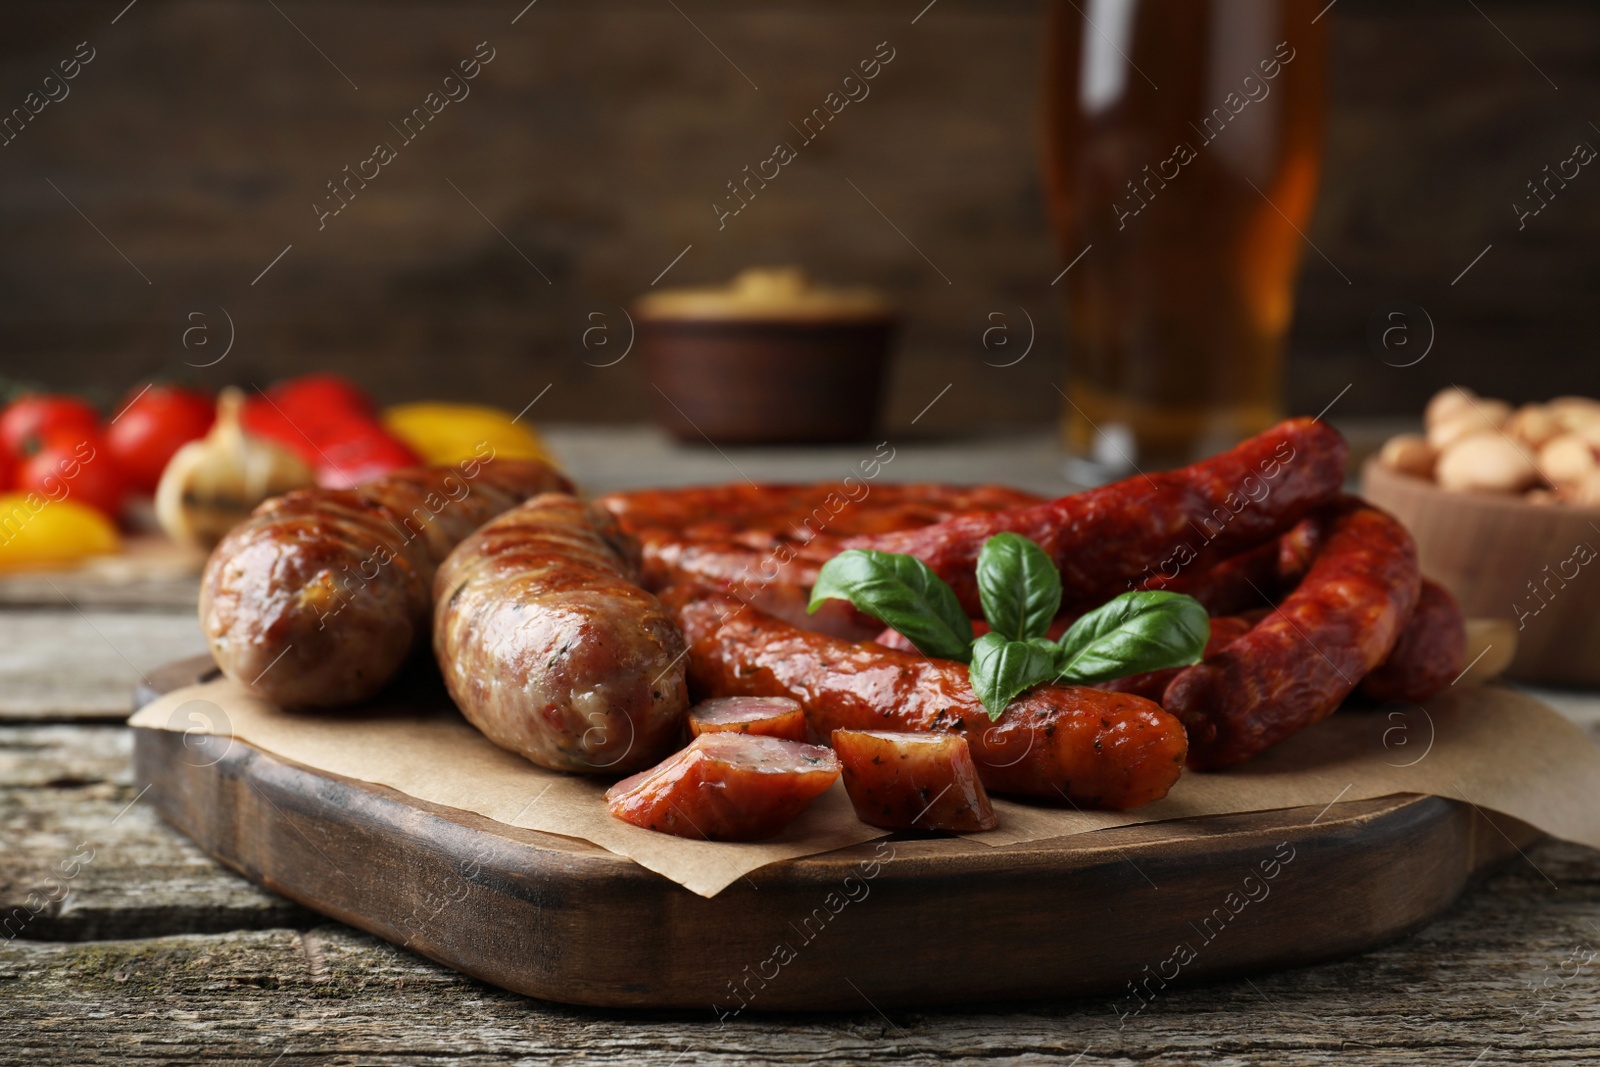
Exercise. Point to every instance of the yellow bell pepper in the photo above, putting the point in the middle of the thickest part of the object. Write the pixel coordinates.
(36, 532)
(449, 433)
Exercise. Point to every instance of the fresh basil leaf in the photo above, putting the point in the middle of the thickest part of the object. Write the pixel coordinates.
(901, 592)
(1134, 633)
(1019, 586)
(1001, 669)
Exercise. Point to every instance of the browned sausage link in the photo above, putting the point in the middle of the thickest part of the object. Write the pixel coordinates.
(319, 597)
(1133, 530)
(1088, 746)
(1253, 579)
(765, 543)
(1429, 654)
(551, 649)
(1303, 658)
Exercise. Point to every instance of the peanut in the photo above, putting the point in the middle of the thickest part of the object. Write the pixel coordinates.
(1488, 462)
(1566, 458)
(1573, 411)
(1480, 416)
(1446, 404)
(1586, 490)
(1491, 646)
(1589, 431)
(1409, 453)
(1533, 424)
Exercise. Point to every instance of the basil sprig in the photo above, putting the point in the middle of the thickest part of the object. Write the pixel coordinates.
(1134, 633)
(901, 592)
(1019, 587)
(1020, 590)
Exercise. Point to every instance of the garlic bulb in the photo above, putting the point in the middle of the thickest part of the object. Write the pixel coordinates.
(211, 485)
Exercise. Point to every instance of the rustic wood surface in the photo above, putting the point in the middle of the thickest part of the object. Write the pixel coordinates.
(154, 953)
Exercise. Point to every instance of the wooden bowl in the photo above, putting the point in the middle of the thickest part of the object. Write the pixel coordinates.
(771, 358)
(1535, 564)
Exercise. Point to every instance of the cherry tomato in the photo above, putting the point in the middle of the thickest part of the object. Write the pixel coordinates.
(367, 453)
(161, 420)
(332, 426)
(8, 470)
(327, 394)
(73, 466)
(27, 421)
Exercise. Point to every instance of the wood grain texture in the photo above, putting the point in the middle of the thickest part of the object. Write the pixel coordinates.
(597, 141)
(82, 664)
(68, 791)
(1470, 985)
(580, 925)
(150, 573)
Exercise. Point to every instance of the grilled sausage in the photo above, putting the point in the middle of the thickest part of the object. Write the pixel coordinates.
(913, 781)
(1088, 746)
(1429, 654)
(726, 787)
(549, 646)
(318, 599)
(1301, 660)
(1253, 579)
(1138, 529)
(768, 716)
(892, 638)
(765, 543)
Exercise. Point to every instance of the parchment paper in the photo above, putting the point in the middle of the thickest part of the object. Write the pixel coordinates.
(436, 755)
(1490, 747)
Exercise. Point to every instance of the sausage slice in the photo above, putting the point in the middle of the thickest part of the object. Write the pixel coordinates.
(1094, 748)
(913, 781)
(768, 716)
(726, 787)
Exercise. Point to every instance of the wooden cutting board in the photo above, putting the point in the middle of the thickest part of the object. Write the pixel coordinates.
(909, 920)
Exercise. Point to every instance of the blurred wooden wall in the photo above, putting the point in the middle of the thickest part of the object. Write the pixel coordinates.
(595, 142)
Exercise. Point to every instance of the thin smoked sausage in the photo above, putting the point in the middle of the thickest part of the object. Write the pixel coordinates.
(1305, 656)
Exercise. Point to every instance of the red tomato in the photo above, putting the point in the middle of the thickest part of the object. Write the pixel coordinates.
(369, 452)
(332, 426)
(321, 394)
(8, 471)
(73, 466)
(161, 420)
(29, 420)
(262, 418)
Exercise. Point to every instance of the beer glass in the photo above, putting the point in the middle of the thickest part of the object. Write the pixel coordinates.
(1182, 144)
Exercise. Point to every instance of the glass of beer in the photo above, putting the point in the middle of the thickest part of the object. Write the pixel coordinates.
(1182, 144)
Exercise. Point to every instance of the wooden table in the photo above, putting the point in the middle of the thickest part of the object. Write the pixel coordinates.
(150, 951)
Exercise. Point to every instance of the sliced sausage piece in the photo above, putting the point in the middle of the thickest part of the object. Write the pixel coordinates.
(1128, 531)
(726, 787)
(767, 716)
(1428, 656)
(1059, 743)
(318, 599)
(549, 646)
(1304, 657)
(913, 781)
